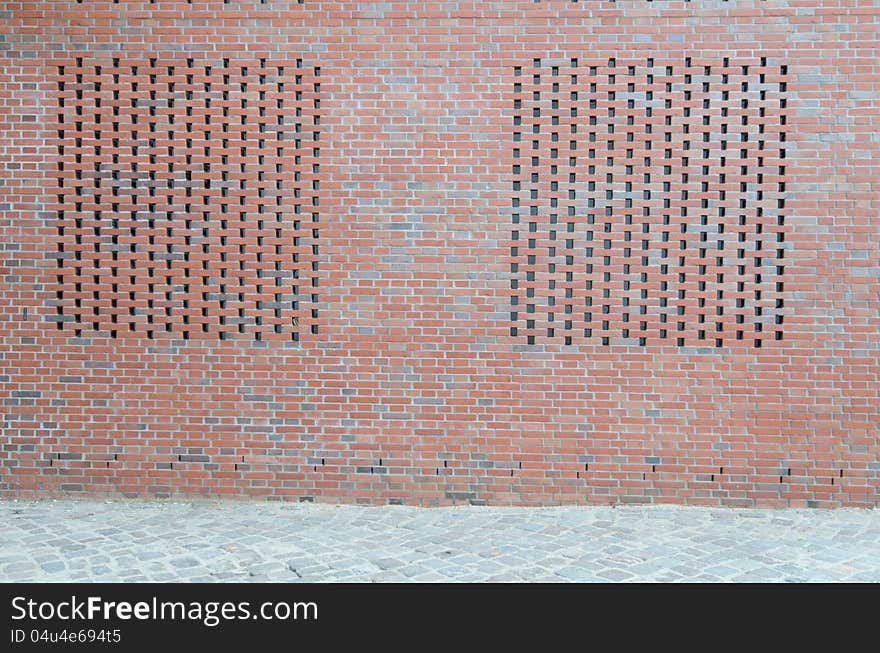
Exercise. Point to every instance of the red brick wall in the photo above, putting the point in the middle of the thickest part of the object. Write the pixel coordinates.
(435, 252)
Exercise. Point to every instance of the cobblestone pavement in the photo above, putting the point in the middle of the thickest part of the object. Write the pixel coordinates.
(214, 541)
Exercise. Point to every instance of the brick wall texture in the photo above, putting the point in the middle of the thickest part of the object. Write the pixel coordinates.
(439, 252)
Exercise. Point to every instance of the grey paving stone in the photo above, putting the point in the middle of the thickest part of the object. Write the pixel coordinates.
(18, 567)
(615, 574)
(51, 567)
(183, 563)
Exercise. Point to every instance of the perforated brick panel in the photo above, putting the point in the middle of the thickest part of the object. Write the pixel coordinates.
(253, 5)
(588, 2)
(648, 201)
(187, 198)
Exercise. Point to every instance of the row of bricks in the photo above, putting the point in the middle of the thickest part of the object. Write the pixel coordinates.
(856, 480)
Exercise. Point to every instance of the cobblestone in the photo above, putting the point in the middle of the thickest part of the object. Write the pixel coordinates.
(133, 541)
